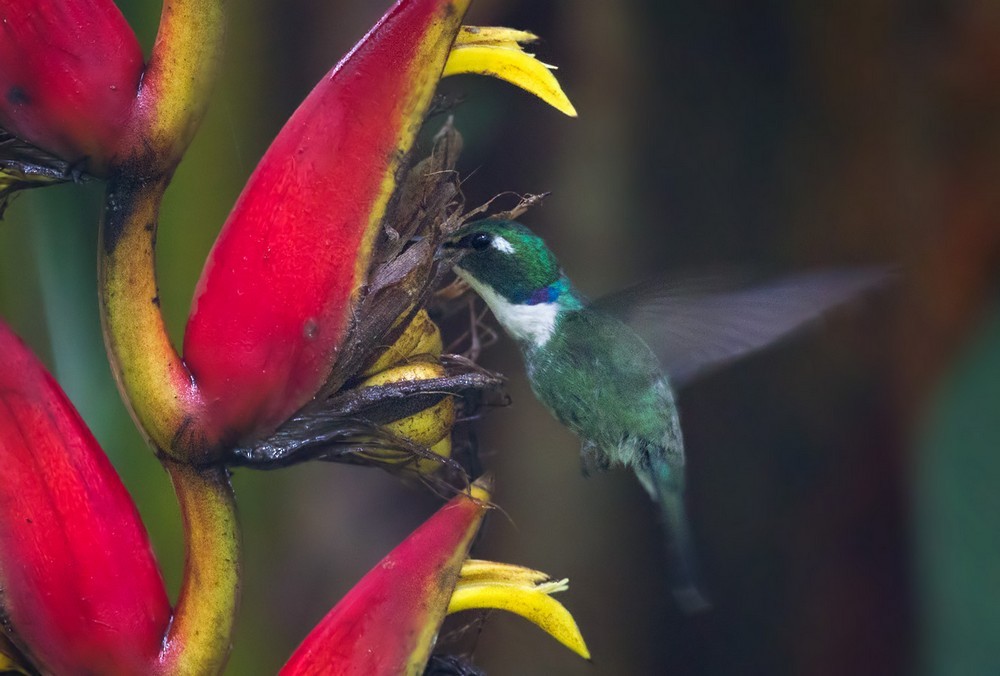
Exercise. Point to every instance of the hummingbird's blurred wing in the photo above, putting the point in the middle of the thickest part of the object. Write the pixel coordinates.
(696, 326)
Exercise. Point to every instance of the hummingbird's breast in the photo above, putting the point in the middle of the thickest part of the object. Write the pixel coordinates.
(601, 380)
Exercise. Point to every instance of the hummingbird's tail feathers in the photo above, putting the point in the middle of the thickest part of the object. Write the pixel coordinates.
(685, 584)
(663, 485)
(697, 327)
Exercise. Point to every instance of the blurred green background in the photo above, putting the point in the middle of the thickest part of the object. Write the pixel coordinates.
(844, 487)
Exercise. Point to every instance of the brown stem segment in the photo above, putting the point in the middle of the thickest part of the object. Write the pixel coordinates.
(200, 635)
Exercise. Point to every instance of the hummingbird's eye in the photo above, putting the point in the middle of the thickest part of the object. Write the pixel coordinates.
(478, 241)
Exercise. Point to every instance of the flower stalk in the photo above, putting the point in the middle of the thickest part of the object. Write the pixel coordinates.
(178, 80)
(155, 384)
(154, 381)
(200, 635)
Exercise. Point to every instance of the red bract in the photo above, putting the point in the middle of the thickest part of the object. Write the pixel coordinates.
(69, 72)
(274, 299)
(388, 622)
(81, 589)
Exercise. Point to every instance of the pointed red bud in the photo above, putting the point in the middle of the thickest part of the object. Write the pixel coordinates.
(69, 73)
(81, 589)
(274, 299)
(388, 622)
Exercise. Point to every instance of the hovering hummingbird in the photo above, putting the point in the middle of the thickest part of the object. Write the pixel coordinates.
(604, 382)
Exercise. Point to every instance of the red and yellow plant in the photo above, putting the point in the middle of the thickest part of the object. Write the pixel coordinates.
(306, 330)
(83, 593)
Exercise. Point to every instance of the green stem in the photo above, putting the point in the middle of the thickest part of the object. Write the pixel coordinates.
(179, 78)
(200, 635)
(153, 380)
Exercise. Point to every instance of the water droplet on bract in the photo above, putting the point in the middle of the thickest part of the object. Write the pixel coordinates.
(310, 329)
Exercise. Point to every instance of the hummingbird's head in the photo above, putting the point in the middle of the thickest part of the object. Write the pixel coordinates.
(507, 259)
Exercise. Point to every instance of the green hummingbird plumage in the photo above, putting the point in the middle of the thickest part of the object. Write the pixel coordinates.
(595, 374)
(604, 382)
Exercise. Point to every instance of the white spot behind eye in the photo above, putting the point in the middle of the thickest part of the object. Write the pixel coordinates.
(501, 244)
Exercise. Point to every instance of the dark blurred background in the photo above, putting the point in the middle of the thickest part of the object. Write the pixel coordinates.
(844, 486)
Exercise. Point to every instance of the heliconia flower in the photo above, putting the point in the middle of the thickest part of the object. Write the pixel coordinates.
(283, 280)
(69, 75)
(81, 590)
(488, 50)
(519, 590)
(387, 624)
(277, 294)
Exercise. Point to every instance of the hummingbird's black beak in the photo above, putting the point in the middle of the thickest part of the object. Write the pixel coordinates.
(449, 251)
(469, 241)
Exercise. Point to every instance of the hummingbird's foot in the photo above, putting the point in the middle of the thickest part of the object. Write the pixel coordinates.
(453, 291)
(593, 459)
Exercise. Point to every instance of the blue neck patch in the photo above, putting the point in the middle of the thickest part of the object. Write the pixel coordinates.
(548, 294)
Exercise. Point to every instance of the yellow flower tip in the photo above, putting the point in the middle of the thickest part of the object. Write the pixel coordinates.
(477, 570)
(497, 52)
(482, 488)
(554, 586)
(494, 35)
(519, 590)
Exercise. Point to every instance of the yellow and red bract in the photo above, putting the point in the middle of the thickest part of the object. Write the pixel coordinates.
(81, 587)
(276, 294)
(69, 75)
(388, 622)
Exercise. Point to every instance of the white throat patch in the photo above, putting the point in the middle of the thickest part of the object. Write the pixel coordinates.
(530, 323)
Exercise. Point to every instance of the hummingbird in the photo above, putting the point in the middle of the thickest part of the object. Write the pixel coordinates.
(604, 382)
